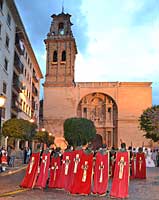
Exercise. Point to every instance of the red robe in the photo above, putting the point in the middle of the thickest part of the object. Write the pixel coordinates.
(55, 167)
(82, 183)
(76, 157)
(44, 168)
(140, 165)
(66, 170)
(101, 173)
(132, 166)
(121, 176)
(31, 171)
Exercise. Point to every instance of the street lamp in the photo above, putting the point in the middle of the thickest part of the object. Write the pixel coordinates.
(2, 103)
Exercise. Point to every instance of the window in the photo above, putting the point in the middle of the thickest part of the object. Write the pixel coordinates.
(3, 113)
(55, 56)
(5, 64)
(4, 88)
(1, 4)
(0, 29)
(64, 56)
(7, 41)
(9, 19)
(61, 28)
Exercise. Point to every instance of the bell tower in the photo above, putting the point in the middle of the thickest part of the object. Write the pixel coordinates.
(61, 51)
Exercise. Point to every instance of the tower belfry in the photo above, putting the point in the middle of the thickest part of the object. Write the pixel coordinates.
(61, 52)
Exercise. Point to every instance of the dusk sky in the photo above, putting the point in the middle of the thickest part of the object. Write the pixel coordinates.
(117, 40)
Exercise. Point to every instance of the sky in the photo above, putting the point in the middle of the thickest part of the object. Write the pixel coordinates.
(117, 40)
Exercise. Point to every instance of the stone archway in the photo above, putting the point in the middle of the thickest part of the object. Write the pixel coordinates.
(102, 110)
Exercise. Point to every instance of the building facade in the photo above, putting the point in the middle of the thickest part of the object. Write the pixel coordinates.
(114, 107)
(20, 72)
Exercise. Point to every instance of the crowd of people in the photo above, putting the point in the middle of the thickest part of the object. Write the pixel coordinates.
(8, 156)
(84, 171)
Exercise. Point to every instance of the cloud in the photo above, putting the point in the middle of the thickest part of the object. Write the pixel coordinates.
(116, 40)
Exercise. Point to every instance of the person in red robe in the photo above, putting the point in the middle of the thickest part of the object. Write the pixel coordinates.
(82, 183)
(140, 164)
(55, 166)
(44, 168)
(112, 161)
(120, 181)
(31, 172)
(76, 165)
(132, 167)
(101, 172)
(66, 169)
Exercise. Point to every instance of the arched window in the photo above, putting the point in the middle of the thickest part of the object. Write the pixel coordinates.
(61, 28)
(55, 56)
(63, 56)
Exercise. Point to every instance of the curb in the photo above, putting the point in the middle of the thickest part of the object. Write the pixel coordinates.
(14, 171)
(13, 192)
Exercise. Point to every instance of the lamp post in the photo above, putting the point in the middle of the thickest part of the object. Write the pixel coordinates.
(2, 103)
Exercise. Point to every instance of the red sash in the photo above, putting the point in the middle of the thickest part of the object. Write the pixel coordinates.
(31, 172)
(121, 176)
(101, 173)
(44, 168)
(140, 165)
(55, 167)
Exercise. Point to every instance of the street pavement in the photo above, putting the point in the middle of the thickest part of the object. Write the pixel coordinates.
(138, 189)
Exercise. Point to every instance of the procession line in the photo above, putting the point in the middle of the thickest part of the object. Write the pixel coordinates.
(13, 192)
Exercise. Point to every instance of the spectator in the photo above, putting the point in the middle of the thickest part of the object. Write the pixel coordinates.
(12, 157)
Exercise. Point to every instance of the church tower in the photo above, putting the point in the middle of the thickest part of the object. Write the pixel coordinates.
(61, 51)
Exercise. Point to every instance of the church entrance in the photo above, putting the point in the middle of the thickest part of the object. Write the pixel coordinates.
(102, 110)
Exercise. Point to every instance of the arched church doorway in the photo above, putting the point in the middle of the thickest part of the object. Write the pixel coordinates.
(102, 110)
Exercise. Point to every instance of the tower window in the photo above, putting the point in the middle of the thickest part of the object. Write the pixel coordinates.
(55, 56)
(61, 28)
(63, 56)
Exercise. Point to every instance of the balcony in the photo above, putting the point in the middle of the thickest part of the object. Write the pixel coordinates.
(17, 85)
(19, 45)
(35, 78)
(15, 104)
(34, 91)
(18, 64)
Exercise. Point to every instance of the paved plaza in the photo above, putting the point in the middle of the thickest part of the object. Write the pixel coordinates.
(138, 190)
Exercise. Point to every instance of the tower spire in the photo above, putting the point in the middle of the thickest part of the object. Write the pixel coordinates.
(63, 6)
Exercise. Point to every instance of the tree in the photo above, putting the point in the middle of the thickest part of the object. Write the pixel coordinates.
(44, 137)
(79, 131)
(19, 129)
(149, 122)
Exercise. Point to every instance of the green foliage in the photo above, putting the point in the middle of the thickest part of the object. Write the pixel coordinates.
(19, 128)
(79, 131)
(149, 122)
(44, 137)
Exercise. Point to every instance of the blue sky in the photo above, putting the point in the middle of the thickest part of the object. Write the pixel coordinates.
(117, 40)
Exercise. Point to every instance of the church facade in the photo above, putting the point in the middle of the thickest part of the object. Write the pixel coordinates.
(114, 107)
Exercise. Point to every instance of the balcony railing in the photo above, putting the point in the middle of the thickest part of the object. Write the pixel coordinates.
(18, 64)
(17, 85)
(35, 78)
